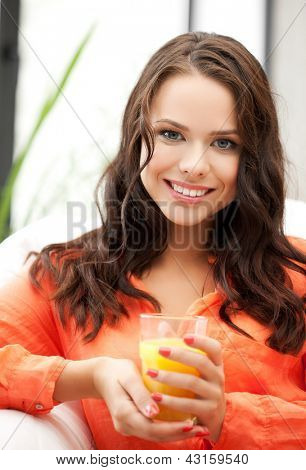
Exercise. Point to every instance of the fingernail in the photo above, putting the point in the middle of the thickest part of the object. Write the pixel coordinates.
(202, 433)
(151, 410)
(157, 396)
(187, 428)
(152, 372)
(164, 351)
(189, 339)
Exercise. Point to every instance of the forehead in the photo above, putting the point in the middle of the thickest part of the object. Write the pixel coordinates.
(195, 100)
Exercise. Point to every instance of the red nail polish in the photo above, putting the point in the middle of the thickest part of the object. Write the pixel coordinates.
(164, 351)
(189, 339)
(187, 428)
(157, 396)
(152, 373)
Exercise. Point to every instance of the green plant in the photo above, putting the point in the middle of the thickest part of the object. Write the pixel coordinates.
(6, 193)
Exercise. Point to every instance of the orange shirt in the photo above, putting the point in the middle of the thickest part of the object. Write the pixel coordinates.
(264, 389)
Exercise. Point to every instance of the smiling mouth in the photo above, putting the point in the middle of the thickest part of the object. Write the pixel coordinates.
(193, 194)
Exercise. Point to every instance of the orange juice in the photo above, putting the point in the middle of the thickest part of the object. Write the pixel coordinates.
(151, 359)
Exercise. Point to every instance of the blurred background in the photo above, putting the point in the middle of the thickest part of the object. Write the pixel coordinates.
(68, 66)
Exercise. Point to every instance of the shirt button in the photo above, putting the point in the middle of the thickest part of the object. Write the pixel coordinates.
(39, 406)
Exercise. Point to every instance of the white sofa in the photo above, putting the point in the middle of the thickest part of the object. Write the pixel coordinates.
(65, 427)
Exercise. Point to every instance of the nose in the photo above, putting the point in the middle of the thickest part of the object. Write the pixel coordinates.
(195, 162)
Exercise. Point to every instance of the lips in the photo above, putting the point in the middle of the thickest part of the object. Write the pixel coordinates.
(186, 198)
(187, 185)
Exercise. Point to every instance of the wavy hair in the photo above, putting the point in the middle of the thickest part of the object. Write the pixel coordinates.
(91, 270)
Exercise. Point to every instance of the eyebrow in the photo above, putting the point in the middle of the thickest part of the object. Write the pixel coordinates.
(185, 128)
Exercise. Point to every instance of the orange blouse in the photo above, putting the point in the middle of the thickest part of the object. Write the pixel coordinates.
(265, 390)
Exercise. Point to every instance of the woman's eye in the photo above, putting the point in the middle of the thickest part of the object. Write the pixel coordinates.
(224, 144)
(171, 134)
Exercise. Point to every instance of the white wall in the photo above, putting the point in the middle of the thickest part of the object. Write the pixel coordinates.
(243, 20)
(288, 77)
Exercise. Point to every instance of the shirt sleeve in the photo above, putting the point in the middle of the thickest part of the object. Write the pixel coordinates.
(31, 354)
(27, 381)
(262, 422)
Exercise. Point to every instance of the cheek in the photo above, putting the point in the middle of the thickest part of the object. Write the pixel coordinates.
(151, 170)
(228, 172)
(161, 161)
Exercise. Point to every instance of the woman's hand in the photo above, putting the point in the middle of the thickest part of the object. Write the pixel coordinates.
(131, 406)
(210, 405)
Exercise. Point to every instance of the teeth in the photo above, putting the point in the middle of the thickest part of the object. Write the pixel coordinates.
(177, 188)
(189, 192)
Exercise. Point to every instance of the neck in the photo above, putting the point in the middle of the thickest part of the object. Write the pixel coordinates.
(189, 241)
(187, 244)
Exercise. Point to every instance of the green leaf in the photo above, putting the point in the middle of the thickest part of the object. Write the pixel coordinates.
(6, 193)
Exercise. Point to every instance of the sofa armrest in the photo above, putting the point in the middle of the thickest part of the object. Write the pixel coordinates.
(64, 428)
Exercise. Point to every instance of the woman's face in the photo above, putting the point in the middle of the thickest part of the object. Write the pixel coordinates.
(200, 151)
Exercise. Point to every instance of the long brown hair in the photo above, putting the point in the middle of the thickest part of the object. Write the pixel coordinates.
(89, 271)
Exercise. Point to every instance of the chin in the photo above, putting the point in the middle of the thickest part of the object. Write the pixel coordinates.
(186, 220)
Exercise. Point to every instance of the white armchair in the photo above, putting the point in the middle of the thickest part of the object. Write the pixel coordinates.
(65, 427)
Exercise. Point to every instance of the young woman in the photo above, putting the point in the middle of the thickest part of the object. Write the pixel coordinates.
(191, 224)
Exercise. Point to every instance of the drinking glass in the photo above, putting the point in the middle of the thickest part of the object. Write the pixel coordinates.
(165, 330)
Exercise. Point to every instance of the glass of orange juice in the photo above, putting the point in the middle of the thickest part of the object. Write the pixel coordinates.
(158, 330)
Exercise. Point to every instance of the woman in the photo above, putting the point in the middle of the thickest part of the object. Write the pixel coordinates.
(192, 223)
